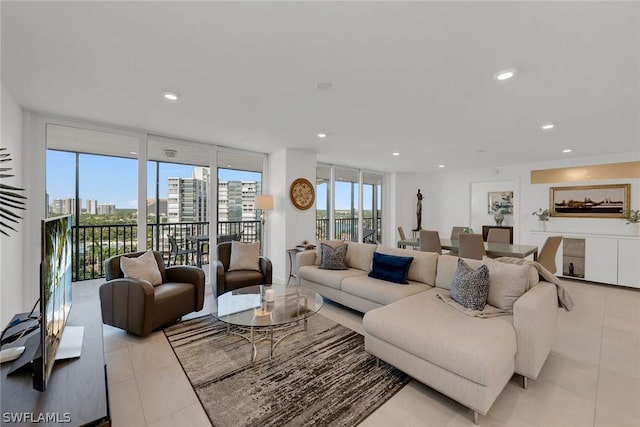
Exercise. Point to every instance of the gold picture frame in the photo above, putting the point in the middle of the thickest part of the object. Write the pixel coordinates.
(590, 201)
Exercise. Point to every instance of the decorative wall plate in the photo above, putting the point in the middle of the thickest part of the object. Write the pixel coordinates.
(302, 193)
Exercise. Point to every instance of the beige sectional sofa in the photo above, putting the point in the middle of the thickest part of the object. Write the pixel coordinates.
(411, 327)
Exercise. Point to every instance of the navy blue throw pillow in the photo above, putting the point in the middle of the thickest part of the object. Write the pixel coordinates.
(391, 268)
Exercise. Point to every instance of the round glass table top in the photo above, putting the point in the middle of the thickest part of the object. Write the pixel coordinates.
(266, 306)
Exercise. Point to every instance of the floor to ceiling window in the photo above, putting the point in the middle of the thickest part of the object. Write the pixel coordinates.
(92, 174)
(239, 181)
(338, 211)
(177, 208)
(86, 180)
(372, 207)
(345, 200)
(323, 197)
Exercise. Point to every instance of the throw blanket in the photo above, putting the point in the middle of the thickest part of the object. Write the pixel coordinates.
(564, 299)
(487, 312)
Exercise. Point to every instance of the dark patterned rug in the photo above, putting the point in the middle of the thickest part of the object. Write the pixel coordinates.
(319, 377)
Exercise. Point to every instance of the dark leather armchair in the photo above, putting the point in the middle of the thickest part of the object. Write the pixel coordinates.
(230, 280)
(139, 307)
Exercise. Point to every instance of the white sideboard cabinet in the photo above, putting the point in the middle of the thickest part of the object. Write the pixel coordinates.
(608, 259)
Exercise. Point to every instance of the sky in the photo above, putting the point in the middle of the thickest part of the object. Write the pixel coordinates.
(113, 180)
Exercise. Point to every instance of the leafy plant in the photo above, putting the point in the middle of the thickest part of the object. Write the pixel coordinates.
(631, 216)
(543, 215)
(10, 199)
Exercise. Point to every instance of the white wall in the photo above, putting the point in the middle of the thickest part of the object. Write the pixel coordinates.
(448, 198)
(288, 226)
(11, 295)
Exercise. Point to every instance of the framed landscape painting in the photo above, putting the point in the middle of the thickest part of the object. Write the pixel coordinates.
(501, 201)
(590, 201)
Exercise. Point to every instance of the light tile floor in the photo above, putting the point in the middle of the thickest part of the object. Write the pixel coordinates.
(591, 378)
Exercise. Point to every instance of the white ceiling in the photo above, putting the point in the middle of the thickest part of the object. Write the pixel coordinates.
(412, 77)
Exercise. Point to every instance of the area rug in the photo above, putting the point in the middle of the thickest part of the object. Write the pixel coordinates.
(322, 376)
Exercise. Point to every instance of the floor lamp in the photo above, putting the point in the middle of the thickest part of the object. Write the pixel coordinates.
(263, 202)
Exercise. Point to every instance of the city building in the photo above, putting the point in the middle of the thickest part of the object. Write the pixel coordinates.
(92, 206)
(161, 207)
(106, 209)
(64, 206)
(187, 197)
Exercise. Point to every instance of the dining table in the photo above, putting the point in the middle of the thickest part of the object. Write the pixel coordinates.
(493, 249)
(199, 240)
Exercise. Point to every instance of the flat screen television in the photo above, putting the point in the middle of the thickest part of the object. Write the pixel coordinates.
(55, 294)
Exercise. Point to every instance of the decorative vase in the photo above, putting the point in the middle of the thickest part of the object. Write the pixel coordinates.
(543, 225)
(498, 217)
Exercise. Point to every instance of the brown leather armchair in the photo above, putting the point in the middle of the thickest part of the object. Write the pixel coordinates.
(139, 307)
(230, 280)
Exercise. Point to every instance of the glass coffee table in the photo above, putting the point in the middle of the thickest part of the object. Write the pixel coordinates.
(259, 313)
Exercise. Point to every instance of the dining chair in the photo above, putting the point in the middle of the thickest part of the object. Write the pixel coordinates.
(430, 241)
(455, 232)
(471, 246)
(175, 252)
(401, 233)
(547, 256)
(499, 235)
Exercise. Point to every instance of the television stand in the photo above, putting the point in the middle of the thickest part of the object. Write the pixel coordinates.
(77, 389)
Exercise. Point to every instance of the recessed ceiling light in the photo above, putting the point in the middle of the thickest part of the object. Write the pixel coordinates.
(324, 85)
(132, 152)
(396, 154)
(170, 96)
(567, 150)
(547, 126)
(504, 74)
(440, 166)
(228, 166)
(322, 135)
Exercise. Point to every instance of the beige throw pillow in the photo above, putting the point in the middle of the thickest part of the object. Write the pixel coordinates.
(143, 267)
(244, 256)
(507, 283)
(360, 255)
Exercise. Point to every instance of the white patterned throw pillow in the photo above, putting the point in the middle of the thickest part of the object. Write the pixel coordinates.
(470, 287)
(143, 267)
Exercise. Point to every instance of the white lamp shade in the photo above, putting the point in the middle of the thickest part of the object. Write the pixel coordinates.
(264, 202)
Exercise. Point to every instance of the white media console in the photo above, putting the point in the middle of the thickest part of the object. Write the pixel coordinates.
(610, 259)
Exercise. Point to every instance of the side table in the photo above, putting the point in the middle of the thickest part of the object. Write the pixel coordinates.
(292, 259)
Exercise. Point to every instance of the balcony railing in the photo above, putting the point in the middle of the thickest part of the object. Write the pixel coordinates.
(347, 229)
(93, 244)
